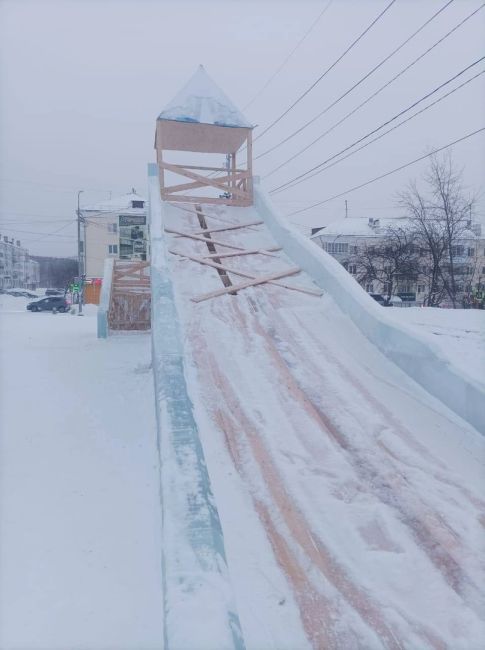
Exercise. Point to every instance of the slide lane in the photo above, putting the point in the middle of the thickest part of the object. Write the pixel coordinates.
(354, 523)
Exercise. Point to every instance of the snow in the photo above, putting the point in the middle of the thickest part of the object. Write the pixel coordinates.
(418, 356)
(458, 333)
(122, 202)
(79, 486)
(202, 101)
(104, 299)
(350, 498)
(340, 505)
(360, 227)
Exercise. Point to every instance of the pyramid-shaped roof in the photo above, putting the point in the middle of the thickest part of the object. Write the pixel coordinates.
(202, 101)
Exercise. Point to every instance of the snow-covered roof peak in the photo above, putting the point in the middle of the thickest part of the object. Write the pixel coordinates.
(361, 226)
(202, 101)
(123, 202)
(370, 227)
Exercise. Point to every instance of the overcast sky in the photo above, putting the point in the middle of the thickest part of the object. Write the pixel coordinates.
(82, 82)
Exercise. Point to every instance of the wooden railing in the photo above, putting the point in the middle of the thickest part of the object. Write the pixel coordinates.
(234, 184)
(130, 302)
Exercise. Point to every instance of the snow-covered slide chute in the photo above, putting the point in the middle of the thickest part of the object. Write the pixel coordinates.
(419, 358)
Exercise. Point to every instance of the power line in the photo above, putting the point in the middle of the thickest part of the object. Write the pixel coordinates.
(29, 223)
(437, 101)
(95, 224)
(393, 171)
(296, 180)
(43, 235)
(377, 92)
(36, 232)
(349, 90)
(280, 68)
(8, 213)
(310, 88)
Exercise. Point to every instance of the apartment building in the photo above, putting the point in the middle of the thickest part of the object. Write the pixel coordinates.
(346, 238)
(116, 228)
(17, 269)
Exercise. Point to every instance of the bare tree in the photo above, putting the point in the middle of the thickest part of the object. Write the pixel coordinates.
(393, 260)
(439, 217)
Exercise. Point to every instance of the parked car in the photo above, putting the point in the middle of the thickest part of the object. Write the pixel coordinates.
(53, 292)
(57, 303)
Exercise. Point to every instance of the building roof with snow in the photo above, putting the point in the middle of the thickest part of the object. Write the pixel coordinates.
(126, 202)
(202, 101)
(361, 226)
(373, 227)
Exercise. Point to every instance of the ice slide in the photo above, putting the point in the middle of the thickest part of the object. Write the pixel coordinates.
(315, 495)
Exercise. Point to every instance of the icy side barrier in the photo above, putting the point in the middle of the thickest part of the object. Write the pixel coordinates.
(199, 607)
(103, 307)
(420, 359)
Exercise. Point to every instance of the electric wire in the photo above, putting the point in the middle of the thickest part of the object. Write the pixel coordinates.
(14, 222)
(422, 110)
(327, 70)
(54, 234)
(377, 92)
(393, 171)
(305, 175)
(361, 80)
(282, 65)
(49, 234)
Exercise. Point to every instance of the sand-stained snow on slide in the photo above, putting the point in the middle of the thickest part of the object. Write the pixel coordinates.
(350, 499)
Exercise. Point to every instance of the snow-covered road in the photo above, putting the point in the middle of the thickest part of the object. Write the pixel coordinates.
(351, 500)
(79, 486)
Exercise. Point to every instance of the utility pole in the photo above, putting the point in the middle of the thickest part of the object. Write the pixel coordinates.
(80, 269)
(346, 209)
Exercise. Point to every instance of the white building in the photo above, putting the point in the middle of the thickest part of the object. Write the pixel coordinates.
(116, 228)
(16, 268)
(344, 239)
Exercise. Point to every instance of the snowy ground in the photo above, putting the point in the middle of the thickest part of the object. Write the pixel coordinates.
(460, 333)
(351, 500)
(79, 486)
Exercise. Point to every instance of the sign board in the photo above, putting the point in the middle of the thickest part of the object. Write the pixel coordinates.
(132, 220)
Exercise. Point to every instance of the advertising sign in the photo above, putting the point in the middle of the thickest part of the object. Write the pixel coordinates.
(132, 220)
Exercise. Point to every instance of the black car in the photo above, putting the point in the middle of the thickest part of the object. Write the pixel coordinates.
(53, 292)
(57, 303)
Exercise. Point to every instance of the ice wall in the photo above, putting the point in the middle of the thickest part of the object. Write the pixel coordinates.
(419, 358)
(104, 300)
(199, 609)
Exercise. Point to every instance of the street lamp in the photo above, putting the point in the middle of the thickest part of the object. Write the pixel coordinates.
(80, 270)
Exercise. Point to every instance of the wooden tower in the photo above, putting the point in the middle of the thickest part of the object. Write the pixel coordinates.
(202, 119)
